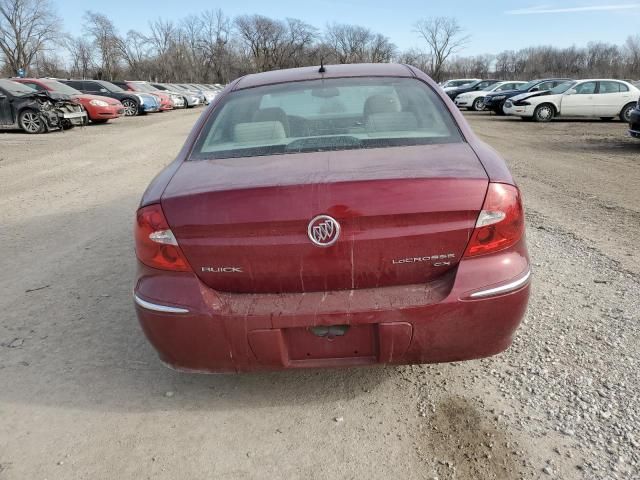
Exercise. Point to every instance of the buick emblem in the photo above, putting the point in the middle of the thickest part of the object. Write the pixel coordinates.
(323, 231)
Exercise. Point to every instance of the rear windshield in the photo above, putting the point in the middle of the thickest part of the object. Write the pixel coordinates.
(322, 115)
(59, 87)
(16, 88)
(111, 87)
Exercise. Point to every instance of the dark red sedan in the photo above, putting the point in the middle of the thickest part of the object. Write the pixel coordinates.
(99, 109)
(331, 218)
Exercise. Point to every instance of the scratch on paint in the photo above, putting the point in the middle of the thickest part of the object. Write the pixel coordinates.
(301, 276)
(353, 267)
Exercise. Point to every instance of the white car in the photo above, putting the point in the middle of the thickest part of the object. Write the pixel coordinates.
(457, 83)
(605, 99)
(475, 100)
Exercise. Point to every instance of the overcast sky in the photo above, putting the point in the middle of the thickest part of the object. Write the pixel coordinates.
(494, 25)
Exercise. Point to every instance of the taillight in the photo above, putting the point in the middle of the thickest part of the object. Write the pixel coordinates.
(500, 223)
(156, 246)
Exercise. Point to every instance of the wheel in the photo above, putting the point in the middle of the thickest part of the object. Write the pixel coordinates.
(544, 113)
(500, 110)
(130, 107)
(625, 114)
(31, 122)
(478, 104)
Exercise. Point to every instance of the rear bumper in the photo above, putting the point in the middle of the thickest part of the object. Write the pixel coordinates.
(469, 313)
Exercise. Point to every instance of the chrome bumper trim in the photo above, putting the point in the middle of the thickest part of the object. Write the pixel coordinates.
(158, 308)
(508, 287)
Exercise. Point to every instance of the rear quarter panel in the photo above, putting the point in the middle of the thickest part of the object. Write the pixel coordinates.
(157, 186)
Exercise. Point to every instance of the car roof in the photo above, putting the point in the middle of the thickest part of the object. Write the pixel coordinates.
(601, 80)
(331, 71)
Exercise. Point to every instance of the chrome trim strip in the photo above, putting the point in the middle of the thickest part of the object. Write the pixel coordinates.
(158, 308)
(508, 287)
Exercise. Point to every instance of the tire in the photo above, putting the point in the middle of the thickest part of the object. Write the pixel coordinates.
(500, 110)
(31, 122)
(130, 107)
(625, 114)
(186, 104)
(544, 113)
(478, 104)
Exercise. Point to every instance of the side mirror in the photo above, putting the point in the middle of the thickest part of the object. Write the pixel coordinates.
(535, 89)
(571, 91)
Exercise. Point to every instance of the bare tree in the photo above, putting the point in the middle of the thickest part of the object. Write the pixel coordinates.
(381, 50)
(632, 53)
(134, 49)
(211, 47)
(48, 65)
(26, 27)
(106, 41)
(163, 33)
(356, 44)
(348, 42)
(216, 30)
(81, 55)
(444, 37)
(274, 43)
(415, 57)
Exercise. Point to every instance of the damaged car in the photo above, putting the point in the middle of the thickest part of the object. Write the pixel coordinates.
(99, 109)
(26, 109)
(331, 217)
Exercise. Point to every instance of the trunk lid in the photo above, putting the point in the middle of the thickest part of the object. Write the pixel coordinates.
(406, 215)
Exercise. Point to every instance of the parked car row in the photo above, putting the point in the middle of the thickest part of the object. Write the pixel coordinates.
(38, 105)
(542, 100)
(604, 99)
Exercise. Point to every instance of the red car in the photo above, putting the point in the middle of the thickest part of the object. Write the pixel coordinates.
(99, 109)
(165, 100)
(331, 217)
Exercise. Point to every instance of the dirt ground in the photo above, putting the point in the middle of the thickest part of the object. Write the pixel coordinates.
(83, 396)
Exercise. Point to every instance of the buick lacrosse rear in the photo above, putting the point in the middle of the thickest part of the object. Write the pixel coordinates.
(330, 217)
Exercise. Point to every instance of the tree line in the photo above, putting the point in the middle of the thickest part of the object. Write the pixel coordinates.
(214, 48)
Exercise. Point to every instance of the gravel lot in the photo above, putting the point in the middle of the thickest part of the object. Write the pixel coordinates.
(82, 395)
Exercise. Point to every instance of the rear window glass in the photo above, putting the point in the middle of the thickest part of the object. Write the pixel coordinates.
(321, 115)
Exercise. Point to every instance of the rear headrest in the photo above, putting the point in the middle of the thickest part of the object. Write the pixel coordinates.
(258, 132)
(391, 122)
(381, 104)
(273, 114)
